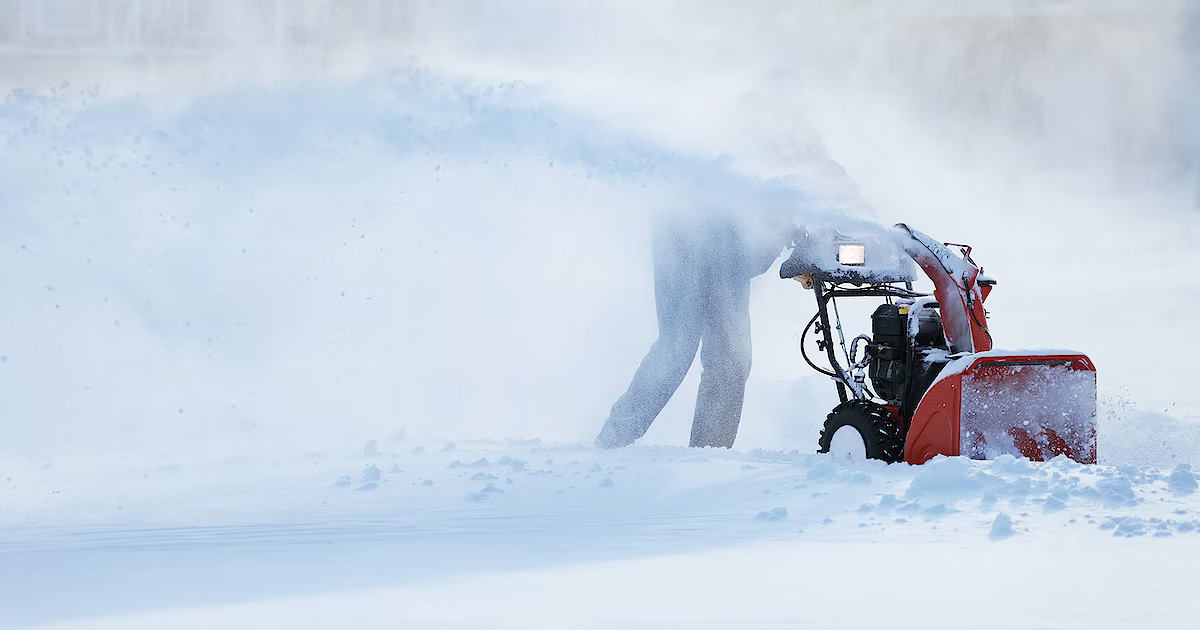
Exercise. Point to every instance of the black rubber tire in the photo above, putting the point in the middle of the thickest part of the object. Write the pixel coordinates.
(881, 436)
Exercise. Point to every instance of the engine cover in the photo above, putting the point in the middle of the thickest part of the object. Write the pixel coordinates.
(889, 351)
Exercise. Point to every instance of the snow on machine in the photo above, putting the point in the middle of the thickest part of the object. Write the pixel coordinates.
(937, 386)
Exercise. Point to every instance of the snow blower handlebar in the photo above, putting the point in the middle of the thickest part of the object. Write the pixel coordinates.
(845, 377)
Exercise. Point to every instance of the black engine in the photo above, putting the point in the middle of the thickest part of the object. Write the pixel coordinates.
(889, 352)
(901, 368)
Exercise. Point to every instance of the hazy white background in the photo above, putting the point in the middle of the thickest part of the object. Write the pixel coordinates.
(251, 224)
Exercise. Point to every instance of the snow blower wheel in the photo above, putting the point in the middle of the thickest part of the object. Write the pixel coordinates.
(858, 430)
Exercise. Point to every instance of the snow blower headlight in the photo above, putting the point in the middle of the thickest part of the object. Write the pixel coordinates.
(852, 254)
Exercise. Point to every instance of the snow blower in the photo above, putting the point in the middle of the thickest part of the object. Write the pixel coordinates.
(936, 385)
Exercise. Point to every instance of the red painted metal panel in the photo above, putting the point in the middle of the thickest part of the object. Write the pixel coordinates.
(934, 428)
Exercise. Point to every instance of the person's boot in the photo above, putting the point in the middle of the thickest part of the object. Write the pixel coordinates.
(613, 436)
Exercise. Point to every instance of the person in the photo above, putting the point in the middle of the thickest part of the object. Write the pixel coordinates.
(704, 261)
(702, 274)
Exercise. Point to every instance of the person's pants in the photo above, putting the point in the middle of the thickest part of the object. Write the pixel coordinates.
(702, 294)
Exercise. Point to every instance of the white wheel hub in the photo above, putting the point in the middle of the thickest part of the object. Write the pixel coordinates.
(848, 445)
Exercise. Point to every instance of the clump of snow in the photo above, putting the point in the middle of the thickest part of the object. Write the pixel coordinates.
(1001, 527)
(516, 464)
(606, 483)
(487, 491)
(1129, 527)
(858, 477)
(1009, 463)
(949, 475)
(774, 514)
(1181, 480)
(938, 511)
(482, 476)
(889, 501)
(1116, 492)
(823, 471)
(371, 473)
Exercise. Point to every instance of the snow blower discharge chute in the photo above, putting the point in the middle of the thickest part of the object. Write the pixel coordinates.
(936, 385)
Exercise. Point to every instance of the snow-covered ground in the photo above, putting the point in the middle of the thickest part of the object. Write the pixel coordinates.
(521, 534)
(326, 344)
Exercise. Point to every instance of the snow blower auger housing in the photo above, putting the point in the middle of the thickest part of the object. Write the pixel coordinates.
(936, 385)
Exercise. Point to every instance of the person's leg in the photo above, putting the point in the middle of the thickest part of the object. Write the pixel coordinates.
(678, 300)
(726, 351)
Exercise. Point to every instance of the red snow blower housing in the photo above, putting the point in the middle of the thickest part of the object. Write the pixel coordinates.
(936, 385)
